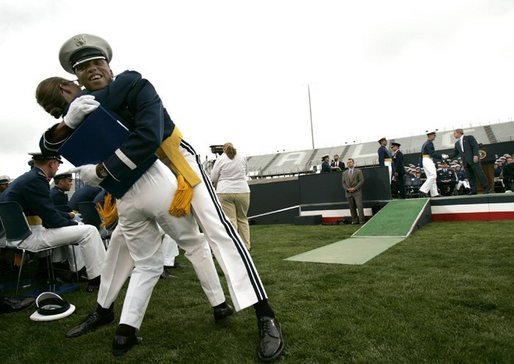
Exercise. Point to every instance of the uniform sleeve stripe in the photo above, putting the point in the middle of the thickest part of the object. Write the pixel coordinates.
(52, 146)
(125, 159)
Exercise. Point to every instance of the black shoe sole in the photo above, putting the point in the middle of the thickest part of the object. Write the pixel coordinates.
(91, 329)
(275, 356)
(223, 318)
(123, 351)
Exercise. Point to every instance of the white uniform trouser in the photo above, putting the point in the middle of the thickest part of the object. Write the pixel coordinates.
(169, 250)
(135, 246)
(90, 250)
(430, 184)
(464, 184)
(243, 280)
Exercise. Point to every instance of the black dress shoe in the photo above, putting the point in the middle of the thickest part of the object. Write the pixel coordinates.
(91, 323)
(92, 288)
(121, 344)
(165, 274)
(272, 343)
(8, 304)
(221, 313)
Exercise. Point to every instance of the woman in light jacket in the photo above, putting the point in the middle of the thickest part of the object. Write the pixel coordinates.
(229, 177)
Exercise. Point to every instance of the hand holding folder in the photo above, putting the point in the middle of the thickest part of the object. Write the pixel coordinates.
(97, 138)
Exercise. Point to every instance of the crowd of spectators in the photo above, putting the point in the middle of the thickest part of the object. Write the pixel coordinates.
(452, 179)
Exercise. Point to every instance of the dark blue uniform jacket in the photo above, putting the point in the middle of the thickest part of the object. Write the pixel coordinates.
(137, 105)
(32, 191)
(383, 153)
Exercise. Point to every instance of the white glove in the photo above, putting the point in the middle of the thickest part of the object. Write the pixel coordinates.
(87, 174)
(445, 156)
(79, 109)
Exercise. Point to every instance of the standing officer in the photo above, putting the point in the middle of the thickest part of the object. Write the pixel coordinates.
(134, 99)
(428, 154)
(384, 157)
(352, 184)
(325, 164)
(466, 147)
(50, 227)
(508, 174)
(398, 171)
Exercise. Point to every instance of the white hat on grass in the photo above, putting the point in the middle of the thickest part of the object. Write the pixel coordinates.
(50, 306)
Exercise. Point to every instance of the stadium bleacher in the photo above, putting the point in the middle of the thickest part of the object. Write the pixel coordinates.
(365, 154)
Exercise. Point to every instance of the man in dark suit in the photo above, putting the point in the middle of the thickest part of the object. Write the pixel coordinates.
(352, 184)
(398, 187)
(336, 163)
(466, 147)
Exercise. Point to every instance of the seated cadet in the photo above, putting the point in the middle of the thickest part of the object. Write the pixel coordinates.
(4, 183)
(463, 186)
(63, 183)
(50, 227)
(412, 182)
(446, 179)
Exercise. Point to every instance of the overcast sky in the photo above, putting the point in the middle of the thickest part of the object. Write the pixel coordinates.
(239, 70)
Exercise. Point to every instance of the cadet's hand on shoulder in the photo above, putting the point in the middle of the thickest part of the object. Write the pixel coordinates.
(475, 159)
(79, 109)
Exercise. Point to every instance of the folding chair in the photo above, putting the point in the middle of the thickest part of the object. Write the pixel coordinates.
(17, 229)
(3, 241)
(90, 215)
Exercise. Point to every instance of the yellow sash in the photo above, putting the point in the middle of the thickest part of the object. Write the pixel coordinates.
(170, 155)
(108, 211)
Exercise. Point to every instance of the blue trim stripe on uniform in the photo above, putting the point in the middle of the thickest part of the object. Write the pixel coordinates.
(248, 263)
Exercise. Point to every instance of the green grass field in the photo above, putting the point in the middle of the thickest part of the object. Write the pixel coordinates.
(443, 295)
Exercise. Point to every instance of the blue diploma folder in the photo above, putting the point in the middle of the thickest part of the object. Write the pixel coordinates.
(96, 138)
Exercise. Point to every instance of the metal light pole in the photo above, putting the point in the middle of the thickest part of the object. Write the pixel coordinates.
(310, 113)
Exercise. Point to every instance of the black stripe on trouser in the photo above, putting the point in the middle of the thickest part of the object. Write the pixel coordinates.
(247, 260)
